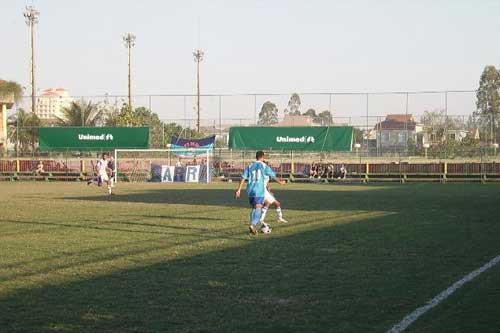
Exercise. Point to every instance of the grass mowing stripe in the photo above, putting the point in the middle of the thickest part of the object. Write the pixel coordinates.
(412, 317)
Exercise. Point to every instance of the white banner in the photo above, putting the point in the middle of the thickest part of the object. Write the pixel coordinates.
(167, 173)
(188, 174)
(192, 174)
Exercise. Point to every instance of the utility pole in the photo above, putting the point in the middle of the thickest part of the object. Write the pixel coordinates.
(31, 15)
(198, 57)
(129, 41)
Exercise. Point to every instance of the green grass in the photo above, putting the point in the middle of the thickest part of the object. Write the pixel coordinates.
(177, 257)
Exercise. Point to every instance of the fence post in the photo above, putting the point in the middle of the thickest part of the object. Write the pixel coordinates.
(162, 135)
(18, 165)
(367, 125)
(220, 118)
(255, 109)
(406, 125)
(446, 124)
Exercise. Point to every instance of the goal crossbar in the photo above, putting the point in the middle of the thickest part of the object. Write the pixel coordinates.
(179, 152)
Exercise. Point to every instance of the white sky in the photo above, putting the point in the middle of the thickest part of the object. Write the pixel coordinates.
(259, 46)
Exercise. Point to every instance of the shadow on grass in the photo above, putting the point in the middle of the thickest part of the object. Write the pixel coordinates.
(357, 276)
(310, 280)
(294, 198)
(362, 275)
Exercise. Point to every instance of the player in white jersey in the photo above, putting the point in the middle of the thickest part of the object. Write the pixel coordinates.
(102, 170)
(269, 200)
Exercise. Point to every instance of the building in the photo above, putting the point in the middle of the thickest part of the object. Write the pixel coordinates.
(6, 102)
(290, 121)
(51, 102)
(396, 130)
(473, 134)
(221, 132)
(439, 135)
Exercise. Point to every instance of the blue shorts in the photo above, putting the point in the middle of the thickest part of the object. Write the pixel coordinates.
(254, 201)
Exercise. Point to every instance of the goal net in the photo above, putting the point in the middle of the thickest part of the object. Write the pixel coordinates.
(163, 165)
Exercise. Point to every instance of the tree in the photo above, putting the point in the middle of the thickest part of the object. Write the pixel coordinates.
(324, 118)
(12, 88)
(81, 113)
(23, 130)
(488, 102)
(310, 112)
(146, 117)
(293, 108)
(124, 117)
(268, 114)
(139, 117)
(436, 123)
(160, 133)
(173, 129)
(357, 135)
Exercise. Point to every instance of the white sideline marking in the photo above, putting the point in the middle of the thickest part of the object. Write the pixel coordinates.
(412, 317)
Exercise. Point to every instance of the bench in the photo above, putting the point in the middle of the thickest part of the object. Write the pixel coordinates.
(22, 177)
(65, 176)
(6, 178)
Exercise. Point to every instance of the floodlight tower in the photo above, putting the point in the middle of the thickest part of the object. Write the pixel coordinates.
(129, 41)
(31, 15)
(198, 57)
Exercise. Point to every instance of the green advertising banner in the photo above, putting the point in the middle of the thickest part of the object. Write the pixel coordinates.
(93, 138)
(292, 138)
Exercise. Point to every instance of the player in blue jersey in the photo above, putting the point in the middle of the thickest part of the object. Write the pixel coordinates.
(255, 174)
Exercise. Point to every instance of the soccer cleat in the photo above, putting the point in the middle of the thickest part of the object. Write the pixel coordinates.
(282, 220)
(253, 230)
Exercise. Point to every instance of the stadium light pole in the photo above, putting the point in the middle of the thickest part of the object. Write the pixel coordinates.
(198, 57)
(32, 17)
(129, 41)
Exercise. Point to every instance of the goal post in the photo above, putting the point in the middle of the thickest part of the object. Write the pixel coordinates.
(190, 165)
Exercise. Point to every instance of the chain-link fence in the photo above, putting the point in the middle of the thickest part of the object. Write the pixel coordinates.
(431, 124)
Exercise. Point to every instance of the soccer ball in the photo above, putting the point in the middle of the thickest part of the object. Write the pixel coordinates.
(266, 228)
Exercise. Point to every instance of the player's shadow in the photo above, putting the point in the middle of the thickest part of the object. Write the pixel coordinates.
(297, 199)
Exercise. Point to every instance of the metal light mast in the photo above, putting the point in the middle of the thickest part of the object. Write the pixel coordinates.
(198, 57)
(31, 15)
(129, 41)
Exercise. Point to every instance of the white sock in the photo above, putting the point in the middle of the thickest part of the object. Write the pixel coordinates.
(279, 212)
(109, 189)
(263, 214)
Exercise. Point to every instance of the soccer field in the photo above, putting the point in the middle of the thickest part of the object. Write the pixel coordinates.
(178, 257)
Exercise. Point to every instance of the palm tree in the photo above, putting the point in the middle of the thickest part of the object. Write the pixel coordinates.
(23, 130)
(10, 94)
(81, 113)
(11, 88)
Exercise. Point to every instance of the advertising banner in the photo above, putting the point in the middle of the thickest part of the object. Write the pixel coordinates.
(179, 143)
(93, 138)
(338, 138)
